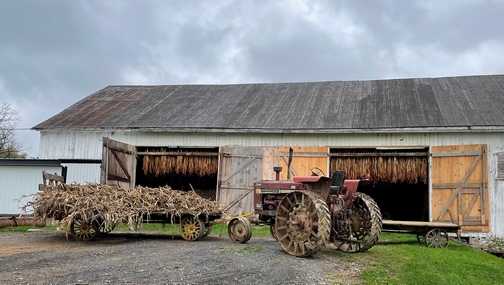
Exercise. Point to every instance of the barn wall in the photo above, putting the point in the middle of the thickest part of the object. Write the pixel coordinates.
(82, 172)
(87, 145)
(19, 180)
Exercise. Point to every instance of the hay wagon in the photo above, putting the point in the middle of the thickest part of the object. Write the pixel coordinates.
(73, 207)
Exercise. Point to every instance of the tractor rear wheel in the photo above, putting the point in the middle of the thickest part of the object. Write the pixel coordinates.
(365, 224)
(303, 223)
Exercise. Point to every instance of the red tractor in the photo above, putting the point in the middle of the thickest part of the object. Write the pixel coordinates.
(308, 212)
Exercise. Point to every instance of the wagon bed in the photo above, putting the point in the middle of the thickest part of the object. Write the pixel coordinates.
(434, 234)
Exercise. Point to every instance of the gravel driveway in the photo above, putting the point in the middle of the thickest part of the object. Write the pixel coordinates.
(47, 257)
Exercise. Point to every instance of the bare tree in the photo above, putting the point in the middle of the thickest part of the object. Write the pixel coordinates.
(9, 145)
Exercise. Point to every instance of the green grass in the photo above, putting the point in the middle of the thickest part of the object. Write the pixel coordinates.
(400, 259)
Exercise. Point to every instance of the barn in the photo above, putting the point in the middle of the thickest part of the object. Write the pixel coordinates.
(434, 147)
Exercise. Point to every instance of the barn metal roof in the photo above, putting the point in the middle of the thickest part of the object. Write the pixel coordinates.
(465, 101)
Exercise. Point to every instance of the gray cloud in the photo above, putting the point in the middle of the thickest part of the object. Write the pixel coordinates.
(55, 52)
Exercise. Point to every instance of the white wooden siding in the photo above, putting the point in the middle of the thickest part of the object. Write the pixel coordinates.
(88, 144)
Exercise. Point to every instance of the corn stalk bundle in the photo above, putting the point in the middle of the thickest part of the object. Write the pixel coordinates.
(112, 205)
(391, 169)
(197, 164)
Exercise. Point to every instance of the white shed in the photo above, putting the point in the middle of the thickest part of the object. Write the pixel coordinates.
(20, 178)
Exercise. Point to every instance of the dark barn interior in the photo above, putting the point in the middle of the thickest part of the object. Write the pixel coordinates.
(398, 179)
(180, 168)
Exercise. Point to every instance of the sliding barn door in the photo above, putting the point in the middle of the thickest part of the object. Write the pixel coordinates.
(459, 186)
(304, 158)
(240, 167)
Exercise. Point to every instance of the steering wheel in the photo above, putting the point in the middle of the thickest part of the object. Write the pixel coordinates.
(317, 171)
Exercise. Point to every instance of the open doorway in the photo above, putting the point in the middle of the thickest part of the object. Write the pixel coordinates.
(180, 168)
(398, 178)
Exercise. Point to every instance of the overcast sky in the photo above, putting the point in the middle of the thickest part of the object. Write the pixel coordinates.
(54, 53)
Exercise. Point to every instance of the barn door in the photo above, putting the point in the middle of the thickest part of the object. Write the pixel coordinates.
(303, 159)
(118, 164)
(459, 186)
(240, 167)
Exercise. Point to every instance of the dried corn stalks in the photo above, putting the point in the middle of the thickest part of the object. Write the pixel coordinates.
(181, 165)
(112, 205)
(386, 169)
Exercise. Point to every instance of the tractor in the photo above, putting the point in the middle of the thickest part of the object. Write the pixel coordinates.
(309, 212)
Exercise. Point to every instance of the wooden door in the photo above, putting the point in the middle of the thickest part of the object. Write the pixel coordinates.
(118, 164)
(459, 186)
(303, 159)
(239, 168)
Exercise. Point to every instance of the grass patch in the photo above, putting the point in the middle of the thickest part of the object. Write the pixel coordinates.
(401, 259)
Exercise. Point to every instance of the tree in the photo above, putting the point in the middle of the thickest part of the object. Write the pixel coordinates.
(10, 147)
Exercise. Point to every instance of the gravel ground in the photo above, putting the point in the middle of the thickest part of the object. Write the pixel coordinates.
(47, 257)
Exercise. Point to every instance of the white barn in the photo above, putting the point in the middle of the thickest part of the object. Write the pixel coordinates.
(446, 133)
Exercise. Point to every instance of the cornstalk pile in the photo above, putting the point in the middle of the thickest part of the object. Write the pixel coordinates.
(385, 169)
(180, 164)
(112, 205)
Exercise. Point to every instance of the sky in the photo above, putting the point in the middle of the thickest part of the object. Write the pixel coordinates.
(54, 53)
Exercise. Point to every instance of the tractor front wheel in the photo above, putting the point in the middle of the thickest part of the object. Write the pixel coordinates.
(240, 230)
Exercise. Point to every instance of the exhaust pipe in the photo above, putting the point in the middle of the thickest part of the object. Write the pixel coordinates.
(277, 170)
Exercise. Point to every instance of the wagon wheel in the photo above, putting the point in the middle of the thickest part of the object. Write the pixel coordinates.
(192, 228)
(436, 238)
(420, 238)
(83, 229)
(208, 230)
(365, 224)
(303, 223)
(240, 230)
(273, 232)
(104, 229)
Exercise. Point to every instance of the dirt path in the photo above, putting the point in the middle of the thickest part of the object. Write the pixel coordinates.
(46, 257)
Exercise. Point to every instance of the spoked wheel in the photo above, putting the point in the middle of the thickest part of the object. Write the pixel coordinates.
(420, 238)
(240, 230)
(436, 238)
(303, 223)
(83, 229)
(208, 230)
(365, 224)
(273, 232)
(104, 228)
(192, 228)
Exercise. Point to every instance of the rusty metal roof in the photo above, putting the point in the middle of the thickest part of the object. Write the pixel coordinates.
(398, 103)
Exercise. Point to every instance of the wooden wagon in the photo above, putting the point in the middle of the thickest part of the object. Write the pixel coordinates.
(192, 227)
(433, 234)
